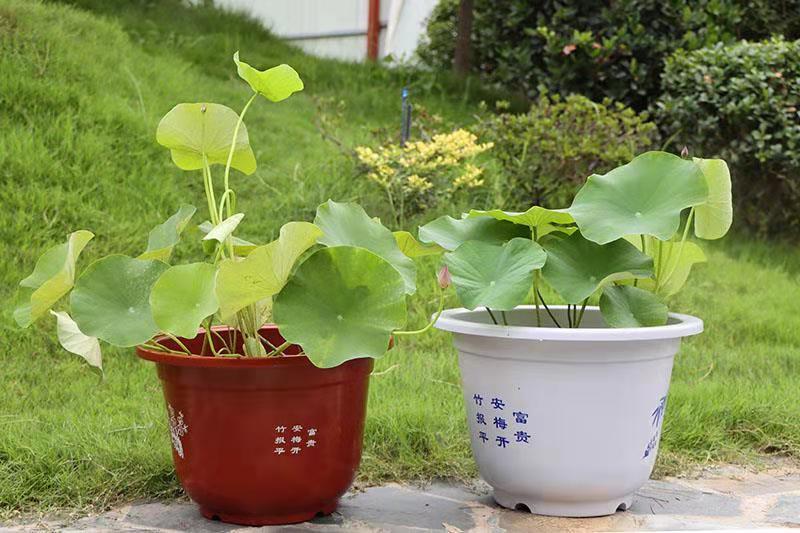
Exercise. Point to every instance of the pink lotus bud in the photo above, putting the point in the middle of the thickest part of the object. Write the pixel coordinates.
(444, 277)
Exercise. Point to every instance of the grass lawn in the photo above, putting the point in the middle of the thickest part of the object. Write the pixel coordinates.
(80, 97)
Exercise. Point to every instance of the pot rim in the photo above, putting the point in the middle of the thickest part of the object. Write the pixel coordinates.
(453, 320)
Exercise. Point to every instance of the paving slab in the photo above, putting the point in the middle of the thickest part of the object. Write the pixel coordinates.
(722, 498)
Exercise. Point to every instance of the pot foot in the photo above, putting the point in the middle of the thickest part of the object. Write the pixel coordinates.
(269, 519)
(567, 509)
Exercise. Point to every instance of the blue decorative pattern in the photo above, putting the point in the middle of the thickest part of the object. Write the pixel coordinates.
(657, 417)
(504, 431)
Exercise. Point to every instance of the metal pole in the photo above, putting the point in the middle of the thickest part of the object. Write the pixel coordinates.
(373, 29)
(405, 126)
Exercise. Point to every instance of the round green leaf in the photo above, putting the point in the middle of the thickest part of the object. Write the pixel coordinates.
(342, 303)
(499, 277)
(111, 300)
(165, 236)
(412, 248)
(183, 297)
(539, 218)
(73, 340)
(450, 233)
(191, 130)
(52, 277)
(624, 306)
(713, 218)
(275, 84)
(347, 224)
(264, 271)
(644, 197)
(576, 267)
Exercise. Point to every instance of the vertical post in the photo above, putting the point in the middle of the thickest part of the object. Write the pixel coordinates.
(405, 127)
(373, 29)
(462, 59)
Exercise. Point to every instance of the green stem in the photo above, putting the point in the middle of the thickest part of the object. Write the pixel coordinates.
(208, 184)
(505, 320)
(580, 315)
(659, 267)
(683, 240)
(178, 342)
(552, 317)
(226, 179)
(535, 276)
(569, 315)
(226, 197)
(492, 315)
(431, 323)
(266, 341)
(234, 338)
(209, 339)
(279, 350)
(159, 348)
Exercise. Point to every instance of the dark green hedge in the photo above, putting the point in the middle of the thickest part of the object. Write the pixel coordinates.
(742, 102)
(544, 156)
(613, 48)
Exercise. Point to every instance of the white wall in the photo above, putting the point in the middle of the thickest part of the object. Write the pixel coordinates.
(406, 25)
(298, 20)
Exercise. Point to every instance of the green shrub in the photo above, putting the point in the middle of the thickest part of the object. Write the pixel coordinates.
(545, 155)
(741, 102)
(422, 175)
(598, 49)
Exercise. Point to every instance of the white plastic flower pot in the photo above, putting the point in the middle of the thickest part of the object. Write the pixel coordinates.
(565, 422)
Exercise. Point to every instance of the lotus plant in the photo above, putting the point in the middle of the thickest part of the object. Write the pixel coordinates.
(620, 239)
(336, 286)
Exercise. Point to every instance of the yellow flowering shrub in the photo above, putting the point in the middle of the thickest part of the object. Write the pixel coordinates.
(422, 174)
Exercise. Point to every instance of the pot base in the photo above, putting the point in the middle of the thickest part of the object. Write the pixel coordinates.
(269, 520)
(568, 509)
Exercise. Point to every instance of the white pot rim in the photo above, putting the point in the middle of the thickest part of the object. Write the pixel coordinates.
(456, 321)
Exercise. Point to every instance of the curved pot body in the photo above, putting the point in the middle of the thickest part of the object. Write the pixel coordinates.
(263, 440)
(565, 422)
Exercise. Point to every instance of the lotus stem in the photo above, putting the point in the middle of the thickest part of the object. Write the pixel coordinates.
(178, 342)
(552, 317)
(431, 323)
(226, 179)
(208, 184)
(580, 315)
(683, 240)
(535, 236)
(159, 348)
(279, 350)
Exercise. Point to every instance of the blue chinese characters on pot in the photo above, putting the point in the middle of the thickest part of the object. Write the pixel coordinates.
(498, 424)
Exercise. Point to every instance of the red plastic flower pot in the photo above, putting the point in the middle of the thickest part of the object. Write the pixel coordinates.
(260, 441)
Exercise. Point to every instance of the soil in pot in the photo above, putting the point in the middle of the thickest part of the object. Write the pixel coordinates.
(259, 441)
